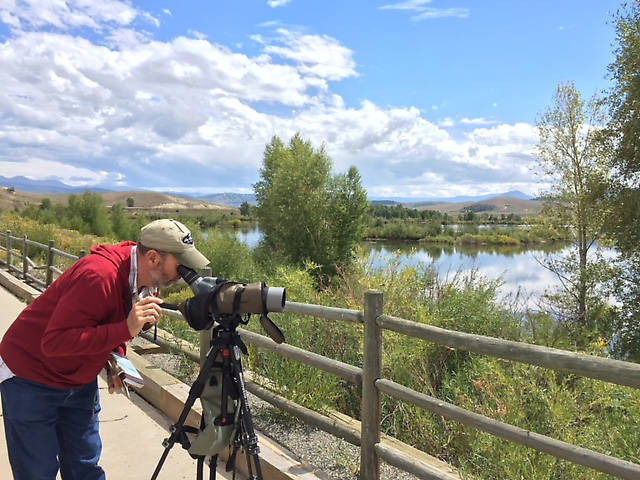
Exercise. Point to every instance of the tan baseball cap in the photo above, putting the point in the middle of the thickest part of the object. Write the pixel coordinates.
(167, 235)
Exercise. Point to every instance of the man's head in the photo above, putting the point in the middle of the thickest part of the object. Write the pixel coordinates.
(165, 244)
(173, 237)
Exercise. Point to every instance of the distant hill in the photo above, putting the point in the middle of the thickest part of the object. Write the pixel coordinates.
(25, 184)
(514, 202)
(416, 203)
(495, 205)
(229, 199)
(33, 191)
(159, 201)
(10, 200)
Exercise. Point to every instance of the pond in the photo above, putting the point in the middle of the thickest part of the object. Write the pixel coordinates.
(518, 268)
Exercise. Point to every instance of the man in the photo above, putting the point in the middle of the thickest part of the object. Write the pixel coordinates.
(52, 353)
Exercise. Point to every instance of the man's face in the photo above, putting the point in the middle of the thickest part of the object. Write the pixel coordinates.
(165, 272)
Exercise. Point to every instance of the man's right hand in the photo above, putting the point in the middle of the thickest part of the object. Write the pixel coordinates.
(145, 311)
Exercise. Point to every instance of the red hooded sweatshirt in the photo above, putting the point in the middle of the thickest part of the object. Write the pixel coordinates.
(64, 337)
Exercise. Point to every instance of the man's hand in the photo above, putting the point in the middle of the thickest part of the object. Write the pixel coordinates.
(114, 381)
(145, 311)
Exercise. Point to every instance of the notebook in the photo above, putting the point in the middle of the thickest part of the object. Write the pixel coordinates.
(126, 370)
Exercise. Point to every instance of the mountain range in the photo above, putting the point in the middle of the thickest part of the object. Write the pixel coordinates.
(231, 199)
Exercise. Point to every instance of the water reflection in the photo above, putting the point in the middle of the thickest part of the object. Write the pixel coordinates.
(250, 235)
(435, 251)
(517, 267)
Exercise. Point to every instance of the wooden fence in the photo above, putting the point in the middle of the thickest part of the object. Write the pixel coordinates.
(374, 321)
(11, 244)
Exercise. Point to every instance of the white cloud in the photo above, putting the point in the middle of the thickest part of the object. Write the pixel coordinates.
(277, 3)
(39, 169)
(407, 5)
(316, 55)
(477, 121)
(69, 14)
(427, 13)
(189, 113)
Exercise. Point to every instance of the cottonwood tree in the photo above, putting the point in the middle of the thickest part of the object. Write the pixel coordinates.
(574, 162)
(87, 214)
(120, 224)
(305, 212)
(245, 209)
(624, 137)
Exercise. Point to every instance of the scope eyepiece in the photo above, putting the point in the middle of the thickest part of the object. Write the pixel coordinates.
(188, 275)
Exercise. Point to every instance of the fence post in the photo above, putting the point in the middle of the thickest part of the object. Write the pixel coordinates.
(205, 335)
(9, 251)
(25, 263)
(50, 263)
(371, 371)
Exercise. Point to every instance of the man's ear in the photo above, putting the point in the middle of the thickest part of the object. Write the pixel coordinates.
(152, 257)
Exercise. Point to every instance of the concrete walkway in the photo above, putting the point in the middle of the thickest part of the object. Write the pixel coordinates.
(132, 430)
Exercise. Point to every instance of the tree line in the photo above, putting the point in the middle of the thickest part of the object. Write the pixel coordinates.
(87, 214)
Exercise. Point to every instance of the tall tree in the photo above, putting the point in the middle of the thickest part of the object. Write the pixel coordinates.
(87, 214)
(624, 99)
(305, 212)
(576, 165)
(624, 137)
(245, 209)
(120, 223)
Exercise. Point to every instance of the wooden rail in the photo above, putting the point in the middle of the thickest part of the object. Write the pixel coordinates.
(11, 243)
(370, 378)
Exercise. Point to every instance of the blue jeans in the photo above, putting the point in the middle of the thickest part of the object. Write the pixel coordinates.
(50, 428)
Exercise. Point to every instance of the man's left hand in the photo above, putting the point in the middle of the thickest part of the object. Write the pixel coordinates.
(114, 381)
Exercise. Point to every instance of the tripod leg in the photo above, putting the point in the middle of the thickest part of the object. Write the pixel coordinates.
(200, 468)
(247, 434)
(177, 429)
(213, 463)
(160, 463)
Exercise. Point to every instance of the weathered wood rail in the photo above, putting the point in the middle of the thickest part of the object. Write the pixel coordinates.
(12, 244)
(369, 376)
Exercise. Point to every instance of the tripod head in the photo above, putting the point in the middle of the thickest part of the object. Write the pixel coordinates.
(219, 300)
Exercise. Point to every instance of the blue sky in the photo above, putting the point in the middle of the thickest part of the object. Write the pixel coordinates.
(427, 98)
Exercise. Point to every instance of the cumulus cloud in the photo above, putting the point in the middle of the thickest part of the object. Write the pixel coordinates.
(317, 55)
(69, 14)
(123, 108)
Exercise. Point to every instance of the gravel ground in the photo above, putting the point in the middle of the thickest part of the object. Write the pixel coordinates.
(332, 456)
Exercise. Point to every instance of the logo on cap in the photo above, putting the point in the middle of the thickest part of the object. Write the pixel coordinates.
(187, 239)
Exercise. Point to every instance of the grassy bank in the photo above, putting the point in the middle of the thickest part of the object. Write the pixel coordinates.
(463, 234)
(588, 413)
